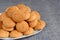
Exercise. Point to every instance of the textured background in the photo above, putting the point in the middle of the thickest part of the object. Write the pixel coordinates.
(50, 12)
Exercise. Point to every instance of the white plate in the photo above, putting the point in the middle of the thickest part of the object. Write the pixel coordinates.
(35, 32)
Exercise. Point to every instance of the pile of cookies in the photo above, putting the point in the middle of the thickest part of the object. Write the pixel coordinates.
(19, 20)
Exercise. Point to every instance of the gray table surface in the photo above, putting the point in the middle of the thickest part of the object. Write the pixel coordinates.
(50, 12)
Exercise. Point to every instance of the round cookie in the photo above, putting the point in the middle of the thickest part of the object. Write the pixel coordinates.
(22, 26)
(41, 24)
(15, 34)
(3, 33)
(7, 29)
(32, 16)
(33, 23)
(19, 16)
(37, 14)
(24, 8)
(30, 31)
(10, 10)
(7, 22)
(20, 6)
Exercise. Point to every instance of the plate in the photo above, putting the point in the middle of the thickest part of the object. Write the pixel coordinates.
(35, 32)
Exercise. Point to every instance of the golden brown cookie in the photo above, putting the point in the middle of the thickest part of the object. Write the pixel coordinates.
(20, 6)
(30, 31)
(7, 29)
(22, 26)
(33, 23)
(7, 22)
(3, 33)
(32, 16)
(37, 14)
(41, 24)
(15, 34)
(19, 16)
(24, 8)
(10, 10)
